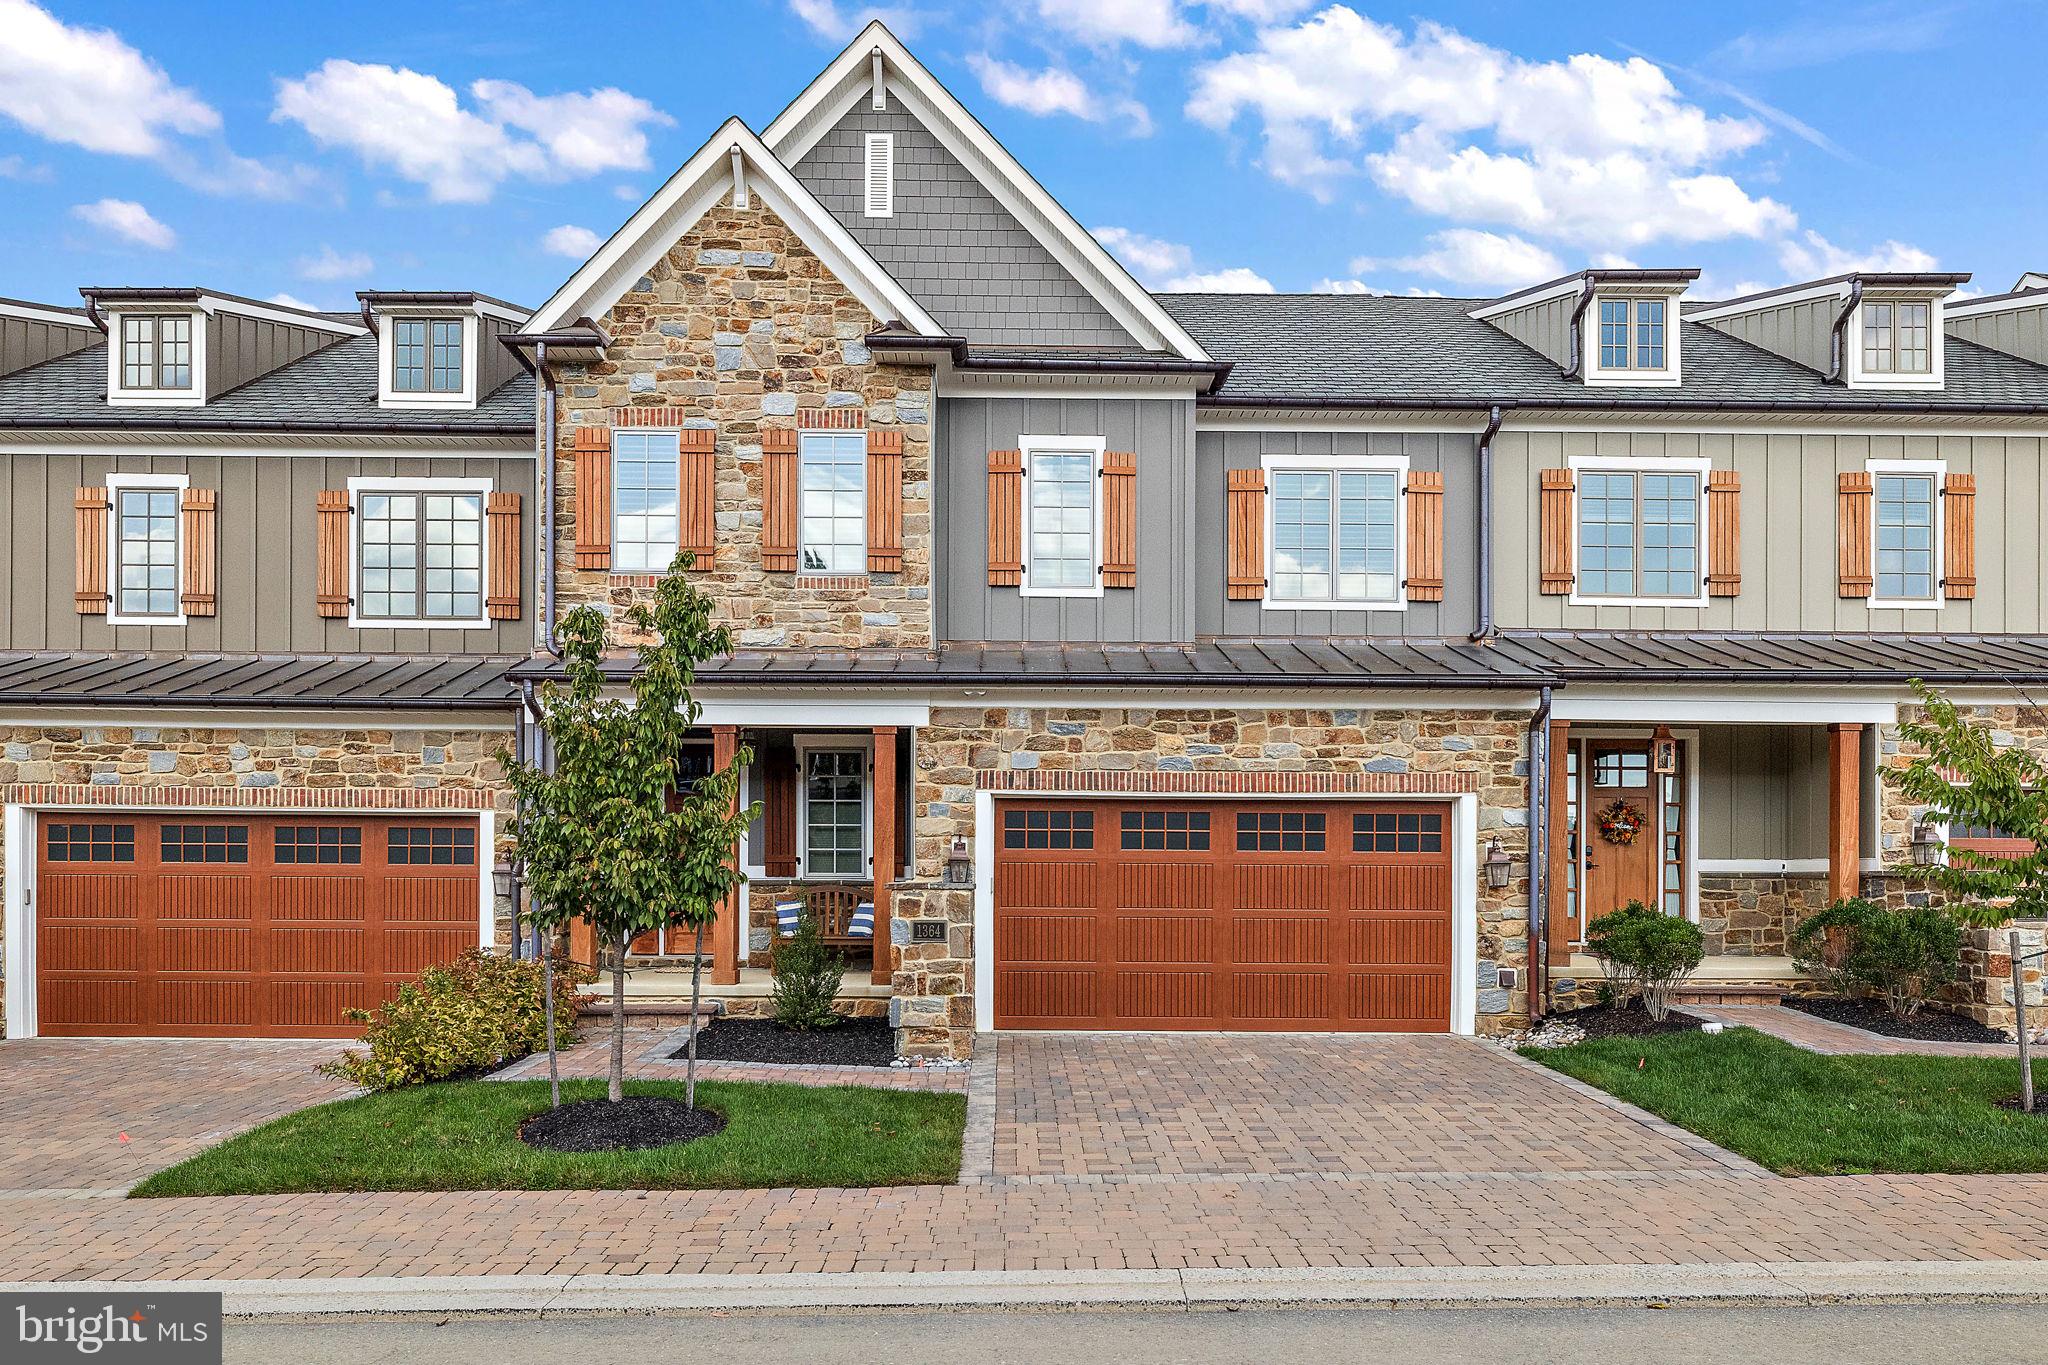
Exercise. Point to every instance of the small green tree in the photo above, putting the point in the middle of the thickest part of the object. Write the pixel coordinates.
(604, 833)
(1964, 776)
(1902, 956)
(807, 979)
(1657, 951)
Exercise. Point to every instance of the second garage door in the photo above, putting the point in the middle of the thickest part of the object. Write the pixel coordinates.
(211, 925)
(1308, 916)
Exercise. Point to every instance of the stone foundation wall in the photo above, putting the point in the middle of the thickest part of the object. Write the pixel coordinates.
(1985, 991)
(1754, 915)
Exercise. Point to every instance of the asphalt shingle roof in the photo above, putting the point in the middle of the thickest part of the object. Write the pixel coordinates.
(1397, 351)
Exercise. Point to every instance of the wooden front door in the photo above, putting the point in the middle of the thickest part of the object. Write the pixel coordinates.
(1616, 874)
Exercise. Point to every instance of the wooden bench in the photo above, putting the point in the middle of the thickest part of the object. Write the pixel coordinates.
(832, 908)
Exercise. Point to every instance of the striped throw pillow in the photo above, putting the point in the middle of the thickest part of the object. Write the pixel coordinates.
(862, 925)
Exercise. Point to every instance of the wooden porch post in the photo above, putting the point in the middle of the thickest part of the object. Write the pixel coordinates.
(884, 860)
(730, 924)
(1845, 810)
(1556, 888)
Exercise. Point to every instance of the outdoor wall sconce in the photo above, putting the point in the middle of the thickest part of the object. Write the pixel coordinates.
(505, 879)
(1663, 752)
(1927, 844)
(959, 866)
(1499, 866)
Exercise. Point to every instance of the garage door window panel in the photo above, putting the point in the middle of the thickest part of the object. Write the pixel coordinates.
(1049, 830)
(1173, 831)
(205, 844)
(1397, 832)
(92, 843)
(332, 845)
(1281, 831)
(430, 846)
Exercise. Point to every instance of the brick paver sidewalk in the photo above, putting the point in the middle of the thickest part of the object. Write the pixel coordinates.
(1816, 1034)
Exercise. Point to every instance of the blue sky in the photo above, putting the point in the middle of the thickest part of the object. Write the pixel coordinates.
(309, 151)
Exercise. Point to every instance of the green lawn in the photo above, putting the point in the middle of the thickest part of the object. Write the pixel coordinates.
(464, 1136)
(1800, 1113)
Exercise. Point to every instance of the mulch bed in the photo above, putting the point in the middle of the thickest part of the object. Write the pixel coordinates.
(1627, 1021)
(850, 1042)
(2012, 1102)
(1928, 1026)
(633, 1124)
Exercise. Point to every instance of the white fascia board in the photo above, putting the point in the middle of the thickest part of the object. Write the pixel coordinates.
(809, 713)
(291, 317)
(1764, 303)
(687, 196)
(1971, 308)
(1564, 288)
(799, 127)
(1648, 706)
(28, 312)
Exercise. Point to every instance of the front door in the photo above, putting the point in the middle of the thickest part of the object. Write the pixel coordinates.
(1620, 789)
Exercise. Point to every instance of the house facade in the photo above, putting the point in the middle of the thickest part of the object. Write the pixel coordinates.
(1175, 661)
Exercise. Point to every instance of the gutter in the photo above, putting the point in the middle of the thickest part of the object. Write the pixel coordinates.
(1838, 358)
(1484, 629)
(962, 356)
(159, 701)
(1578, 341)
(1539, 855)
(545, 628)
(1423, 403)
(164, 422)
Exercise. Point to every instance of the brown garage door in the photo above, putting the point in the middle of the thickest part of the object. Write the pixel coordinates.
(1310, 916)
(211, 925)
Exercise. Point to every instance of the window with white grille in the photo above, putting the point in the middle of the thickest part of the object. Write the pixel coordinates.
(881, 175)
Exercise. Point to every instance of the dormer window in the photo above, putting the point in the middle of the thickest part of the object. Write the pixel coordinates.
(156, 353)
(1632, 334)
(426, 355)
(1629, 336)
(1898, 338)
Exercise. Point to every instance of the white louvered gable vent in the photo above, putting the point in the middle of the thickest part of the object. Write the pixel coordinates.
(881, 202)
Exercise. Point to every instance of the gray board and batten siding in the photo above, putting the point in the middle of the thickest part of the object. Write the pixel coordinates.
(1789, 562)
(950, 242)
(267, 543)
(1545, 328)
(1802, 332)
(1763, 793)
(241, 348)
(2016, 331)
(31, 341)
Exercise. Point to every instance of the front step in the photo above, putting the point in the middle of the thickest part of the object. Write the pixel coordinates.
(675, 1012)
(1728, 993)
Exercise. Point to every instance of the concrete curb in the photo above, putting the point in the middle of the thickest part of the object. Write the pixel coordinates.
(540, 1295)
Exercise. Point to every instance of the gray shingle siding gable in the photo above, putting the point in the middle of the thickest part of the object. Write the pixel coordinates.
(951, 243)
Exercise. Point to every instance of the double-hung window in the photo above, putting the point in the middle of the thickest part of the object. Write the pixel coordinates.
(1906, 530)
(156, 352)
(1632, 334)
(1062, 517)
(833, 517)
(1639, 534)
(646, 500)
(145, 547)
(420, 553)
(1898, 338)
(835, 812)
(426, 355)
(1336, 536)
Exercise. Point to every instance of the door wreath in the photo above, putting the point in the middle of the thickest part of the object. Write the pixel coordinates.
(1620, 823)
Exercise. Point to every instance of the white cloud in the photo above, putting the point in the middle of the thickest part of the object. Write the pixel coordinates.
(1331, 286)
(1149, 258)
(1105, 23)
(1235, 280)
(1260, 11)
(332, 265)
(1055, 91)
(1469, 256)
(293, 301)
(21, 168)
(577, 243)
(1590, 150)
(834, 24)
(627, 194)
(87, 87)
(417, 127)
(127, 220)
(1811, 256)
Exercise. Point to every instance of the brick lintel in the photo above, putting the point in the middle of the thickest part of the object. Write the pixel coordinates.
(248, 798)
(1229, 783)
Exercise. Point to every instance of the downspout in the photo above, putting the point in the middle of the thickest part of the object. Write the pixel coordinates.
(1838, 351)
(546, 632)
(1578, 334)
(94, 316)
(1539, 854)
(370, 318)
(518, 823)
(1484, 629)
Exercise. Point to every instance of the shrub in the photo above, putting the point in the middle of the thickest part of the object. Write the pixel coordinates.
(807, 977)
(1901, 956)
(477, 1013)
(1647, 952)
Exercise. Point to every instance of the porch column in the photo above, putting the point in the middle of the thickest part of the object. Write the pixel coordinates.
(884, 860)
(726, 930)
(1557, 925)
(1845, 810)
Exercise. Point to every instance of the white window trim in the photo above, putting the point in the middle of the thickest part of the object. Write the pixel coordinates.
(676, 432)
(1654, 464)
(1936, 471)
(1598, 376)
(864, 745)
(865, 492)
(1397, 465)
(483, 488)
(1030, 446)
(116, 484)
(1852, 342)
(884, 205)
(388, 397)
(120, 396)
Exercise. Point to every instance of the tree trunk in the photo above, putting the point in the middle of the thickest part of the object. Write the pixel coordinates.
(696, 994)
(617, 1091)
(547, 974)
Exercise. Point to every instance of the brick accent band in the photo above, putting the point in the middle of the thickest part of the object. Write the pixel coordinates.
(655, 416)
(247, 798)
(845, 582)
(831, 419)
(1230, 784)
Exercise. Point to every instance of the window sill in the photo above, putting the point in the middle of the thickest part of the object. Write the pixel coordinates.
(1305, 604)
(1688, 603)
(117, 619)
(1906, 603)
(465, 623)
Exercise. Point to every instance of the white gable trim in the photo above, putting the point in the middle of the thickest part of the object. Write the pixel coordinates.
(849, 79)
(704, 181)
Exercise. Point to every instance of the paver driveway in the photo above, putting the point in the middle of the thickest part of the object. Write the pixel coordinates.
(1188, 1104)
(69, 1102)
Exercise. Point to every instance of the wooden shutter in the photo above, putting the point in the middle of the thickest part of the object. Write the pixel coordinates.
(1247, 535)
(1557, 531)
(1959, 536)
(778, 809)
(332, 552)
(1005, 518)
(90, 569)
(885, 501)
(1425, 535)
(202, 553)
(778, 500)
(1120, 519)
(1724, 533)
(501, 516)
(1853, 497)
(593, 497)
(697, 493)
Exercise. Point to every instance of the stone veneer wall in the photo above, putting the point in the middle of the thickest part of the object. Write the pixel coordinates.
(1219, 751)
(1753, 915)
(739, 327)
